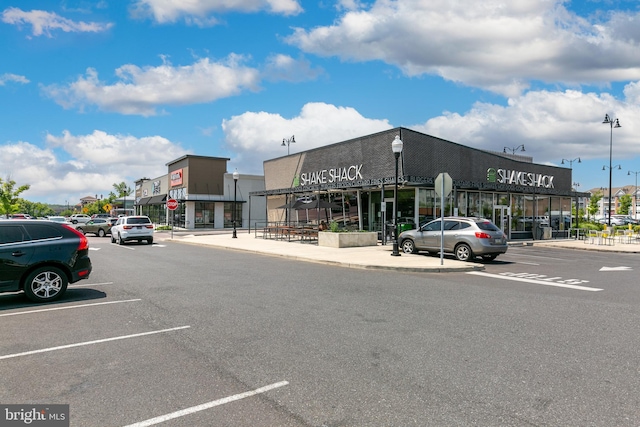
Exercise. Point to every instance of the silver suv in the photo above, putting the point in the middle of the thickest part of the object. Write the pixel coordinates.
(464, 237)
(129, 228)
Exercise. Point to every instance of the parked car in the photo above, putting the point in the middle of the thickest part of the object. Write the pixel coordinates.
(41, 258)
(98, 226)
(79, 218)
(59, 219)
(100, 215)
(618, 220)
(464, 237)
(20, 216)
(129, 228)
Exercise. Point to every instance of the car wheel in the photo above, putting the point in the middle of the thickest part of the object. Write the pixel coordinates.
(408, 247)
(45, 284)
(80, 229)
(74, 222)
(101, 233)
(489, 257)
(150, 241)
(463, 252)
(120, 241)
(113, 238)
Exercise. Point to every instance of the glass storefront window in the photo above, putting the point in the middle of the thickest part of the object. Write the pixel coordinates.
(228, 214)
(204, 214)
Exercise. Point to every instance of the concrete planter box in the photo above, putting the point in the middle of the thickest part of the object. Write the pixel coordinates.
(347, 240)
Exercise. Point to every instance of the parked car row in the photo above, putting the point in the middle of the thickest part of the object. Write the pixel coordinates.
(619, 220)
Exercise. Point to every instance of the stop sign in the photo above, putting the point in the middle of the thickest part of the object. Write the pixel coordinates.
(172, 204)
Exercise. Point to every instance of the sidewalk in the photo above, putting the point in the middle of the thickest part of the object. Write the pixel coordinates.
(369, 257)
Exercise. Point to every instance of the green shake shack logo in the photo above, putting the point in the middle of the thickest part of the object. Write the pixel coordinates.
(296, 180)
(529, 179)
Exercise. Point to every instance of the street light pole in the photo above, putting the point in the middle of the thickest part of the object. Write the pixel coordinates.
(236, 175)
(396, 147)
(635, 195)
(514, 149)
(576, 185)
(288, 141)
(613, 124)
(571, 167)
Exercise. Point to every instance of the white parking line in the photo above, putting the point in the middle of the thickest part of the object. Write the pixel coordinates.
(80, 344)
(537, 282)
(67, 307)
(85, 285)
(123, 247)
(193, 409)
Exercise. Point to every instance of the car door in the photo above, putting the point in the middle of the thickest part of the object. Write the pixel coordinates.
(451, 234)
(15, 255)
(430, 236)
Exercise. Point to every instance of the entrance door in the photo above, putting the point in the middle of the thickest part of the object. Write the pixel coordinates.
(502, 218)
(388, 226)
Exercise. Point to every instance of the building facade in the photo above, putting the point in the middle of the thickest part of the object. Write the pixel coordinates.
(358, 178)
(206, 195)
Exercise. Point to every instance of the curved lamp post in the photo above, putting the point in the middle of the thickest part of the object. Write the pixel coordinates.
(236, 175)
(613, 124)
(287, 142)
(396, 147)
(514, 149)
(571, 167)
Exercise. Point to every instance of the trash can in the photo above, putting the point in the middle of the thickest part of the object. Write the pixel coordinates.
(546, 233)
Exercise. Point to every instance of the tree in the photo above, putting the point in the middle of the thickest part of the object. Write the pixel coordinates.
(625, 204)
(122, 189)
(9, 196)
(593, 204)
(35, 209)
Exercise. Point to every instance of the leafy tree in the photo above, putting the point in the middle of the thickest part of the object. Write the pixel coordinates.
(625, 204)
(593, 204)
(122, 189)
(9, 196)
(35, 209)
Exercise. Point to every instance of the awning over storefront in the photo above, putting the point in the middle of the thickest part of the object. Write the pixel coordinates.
(157, 200)
(143, 201)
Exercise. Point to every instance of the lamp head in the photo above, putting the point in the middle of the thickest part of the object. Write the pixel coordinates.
(579, 161)
(603, 168)
(236, 175)
(617, 125)
(606, 119)
(283, 143)
(619, 167)
(562, 162)
(396, 145)
(522, 148)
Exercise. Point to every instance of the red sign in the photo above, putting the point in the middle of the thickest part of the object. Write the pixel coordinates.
(172, 204)
(176, 177)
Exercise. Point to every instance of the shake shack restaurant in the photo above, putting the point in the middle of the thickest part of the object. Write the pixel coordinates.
(357, 180)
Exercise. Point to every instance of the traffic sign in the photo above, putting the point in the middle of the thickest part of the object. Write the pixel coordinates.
(172, 204)
(443, 179)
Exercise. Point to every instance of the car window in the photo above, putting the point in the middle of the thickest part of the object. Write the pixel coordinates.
(464, 225)
(432, 226)
(487, 226)
(98, 221)
(11, 234)
(43, 231)
(451, 225)
(138, 221)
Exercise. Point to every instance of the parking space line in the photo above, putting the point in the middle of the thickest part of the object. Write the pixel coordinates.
(86, 285)
(80, 344)
(123, 246)
(204, 406)
(68, 307)
(537, 282)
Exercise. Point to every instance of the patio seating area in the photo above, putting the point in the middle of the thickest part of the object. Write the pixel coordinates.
(611, 238)
(297, 232)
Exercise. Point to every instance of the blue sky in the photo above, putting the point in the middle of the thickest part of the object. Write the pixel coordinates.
(98, 92)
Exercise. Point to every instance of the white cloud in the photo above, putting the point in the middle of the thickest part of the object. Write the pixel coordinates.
(495, 45)
(141, 90)
(97, 160)
(257, 136)
(285, 68)
(551, 125)
(7, 77)
(44, 23)
(197, 12)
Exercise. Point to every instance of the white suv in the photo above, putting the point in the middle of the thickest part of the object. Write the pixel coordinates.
(129, 228)
(80, 218)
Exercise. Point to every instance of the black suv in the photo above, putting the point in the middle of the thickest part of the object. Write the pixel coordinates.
(41, 258)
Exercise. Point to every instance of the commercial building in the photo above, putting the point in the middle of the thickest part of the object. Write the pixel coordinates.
(206, 195)
(358, 178)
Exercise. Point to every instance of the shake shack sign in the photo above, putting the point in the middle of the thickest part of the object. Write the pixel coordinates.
(512, 177)
(329, 176)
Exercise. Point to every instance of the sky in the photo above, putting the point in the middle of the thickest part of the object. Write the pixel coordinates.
(96, 92)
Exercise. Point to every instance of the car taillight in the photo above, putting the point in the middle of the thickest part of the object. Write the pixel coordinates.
(149, 226)
(127, 227)
(84, 242)
(482, 235)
